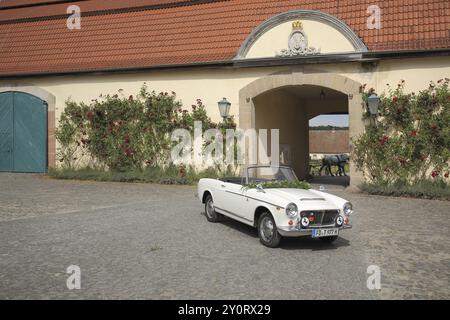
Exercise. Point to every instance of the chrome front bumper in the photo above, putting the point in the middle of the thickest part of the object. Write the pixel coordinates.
(295, 232)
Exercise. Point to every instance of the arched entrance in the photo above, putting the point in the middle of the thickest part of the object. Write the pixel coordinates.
(288, 101)
(23, 133)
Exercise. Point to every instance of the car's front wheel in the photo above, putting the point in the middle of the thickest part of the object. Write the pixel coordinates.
(211, 214)
(267, 231)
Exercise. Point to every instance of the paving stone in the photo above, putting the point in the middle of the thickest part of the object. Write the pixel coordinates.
(144, 241)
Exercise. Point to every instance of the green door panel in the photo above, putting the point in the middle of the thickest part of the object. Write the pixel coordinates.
(30, 134)
(6, 131)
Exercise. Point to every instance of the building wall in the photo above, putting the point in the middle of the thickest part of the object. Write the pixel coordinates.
(251, 90)
(320, 36)
(211, 85)
(329, 141)
(277, 110)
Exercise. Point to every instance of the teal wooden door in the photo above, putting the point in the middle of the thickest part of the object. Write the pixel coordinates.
(25, 133)
(6, 131)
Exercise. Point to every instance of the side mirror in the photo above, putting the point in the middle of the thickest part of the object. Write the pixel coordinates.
(260, 188)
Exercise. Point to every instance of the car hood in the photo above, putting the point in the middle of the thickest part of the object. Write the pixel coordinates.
(295, 194)
(305, 199)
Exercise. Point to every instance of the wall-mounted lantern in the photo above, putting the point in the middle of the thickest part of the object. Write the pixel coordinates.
(374, 104)
(322, 94)
(224, 108)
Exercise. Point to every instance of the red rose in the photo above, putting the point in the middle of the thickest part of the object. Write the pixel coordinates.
(446, 174)
(413, 133)
(434, 174)
(129, 152)
(395, 99)
(384, 140)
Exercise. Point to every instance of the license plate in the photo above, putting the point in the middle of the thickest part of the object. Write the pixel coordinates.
(320, 233)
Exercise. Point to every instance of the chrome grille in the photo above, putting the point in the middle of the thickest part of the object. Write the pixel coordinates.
(321, 217)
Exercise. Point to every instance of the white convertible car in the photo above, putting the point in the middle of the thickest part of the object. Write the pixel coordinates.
(276, 212)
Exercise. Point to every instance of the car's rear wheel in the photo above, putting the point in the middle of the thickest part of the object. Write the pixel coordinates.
(211, 214)
(267, 231)
(329, 239)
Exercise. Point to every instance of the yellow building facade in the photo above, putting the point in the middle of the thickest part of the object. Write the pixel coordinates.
(290, 68)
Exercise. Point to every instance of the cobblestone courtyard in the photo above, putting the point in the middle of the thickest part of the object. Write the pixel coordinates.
(153, 242)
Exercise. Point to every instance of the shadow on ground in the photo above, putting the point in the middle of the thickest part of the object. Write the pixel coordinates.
(328, 180)
(303, 243)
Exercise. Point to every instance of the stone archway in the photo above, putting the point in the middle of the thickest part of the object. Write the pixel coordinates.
(51, 104)
(333, 81)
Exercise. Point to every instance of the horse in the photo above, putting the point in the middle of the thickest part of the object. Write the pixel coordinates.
(337, 160)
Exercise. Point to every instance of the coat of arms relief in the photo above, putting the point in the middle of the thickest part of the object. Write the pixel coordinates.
(298, 43)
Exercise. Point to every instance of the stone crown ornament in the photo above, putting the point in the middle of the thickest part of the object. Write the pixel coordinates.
(298, 43)
(297, 25)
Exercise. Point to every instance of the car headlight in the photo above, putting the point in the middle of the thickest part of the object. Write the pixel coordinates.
(292, 210)
(348, 208)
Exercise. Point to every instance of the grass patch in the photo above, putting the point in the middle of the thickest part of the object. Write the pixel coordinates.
(423, 190)
(169, 176)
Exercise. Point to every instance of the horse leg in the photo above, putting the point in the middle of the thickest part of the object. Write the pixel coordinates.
(329, 170)
(342, 170)
(320, 170)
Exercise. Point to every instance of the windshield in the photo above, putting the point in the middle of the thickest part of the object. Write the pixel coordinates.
(268, 173)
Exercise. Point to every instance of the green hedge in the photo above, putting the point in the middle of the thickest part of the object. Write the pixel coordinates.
(410, 140)
(424, 189)
(126, 133)
(170, 175)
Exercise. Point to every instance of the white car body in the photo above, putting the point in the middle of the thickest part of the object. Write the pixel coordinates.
(244, 204)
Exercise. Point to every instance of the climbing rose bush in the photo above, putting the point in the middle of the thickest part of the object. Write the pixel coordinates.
(410, 140)
(123, 133)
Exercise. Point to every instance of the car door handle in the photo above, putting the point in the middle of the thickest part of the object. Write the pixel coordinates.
(223, 186)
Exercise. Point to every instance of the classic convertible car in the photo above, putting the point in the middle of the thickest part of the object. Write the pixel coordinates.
(276, 212)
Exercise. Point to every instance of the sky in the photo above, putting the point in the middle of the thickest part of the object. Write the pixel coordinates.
(330, 120)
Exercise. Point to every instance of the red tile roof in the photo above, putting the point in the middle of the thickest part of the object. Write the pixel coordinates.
(143, 33)
(329, 142)
(21, 3)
